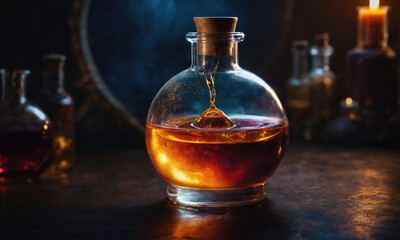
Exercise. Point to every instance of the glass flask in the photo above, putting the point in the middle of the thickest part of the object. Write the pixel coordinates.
(25, 130)
(59, 106)
(216, 132)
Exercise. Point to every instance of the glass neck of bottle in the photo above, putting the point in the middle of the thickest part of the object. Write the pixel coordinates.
(373, 28)
(225, 58)
(320, 61)
(215, 51)
(13, 87)
(53, 81)
(300, 64)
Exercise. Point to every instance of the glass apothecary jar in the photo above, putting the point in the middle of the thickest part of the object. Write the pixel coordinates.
(59, 106)
(216, 132)
(25, 130)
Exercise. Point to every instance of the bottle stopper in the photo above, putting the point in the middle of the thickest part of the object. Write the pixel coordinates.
(210, 27)
(215, 24)
(54, 62)
(322, 40)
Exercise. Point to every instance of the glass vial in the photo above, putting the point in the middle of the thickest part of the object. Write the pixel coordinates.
(323, 80)
(298, 92)
(25, 130)
(59, 105)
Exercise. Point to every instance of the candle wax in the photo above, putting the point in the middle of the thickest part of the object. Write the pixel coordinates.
(372, 27)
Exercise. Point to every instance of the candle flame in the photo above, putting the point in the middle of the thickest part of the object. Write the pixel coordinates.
(374, 4)
(349, 101)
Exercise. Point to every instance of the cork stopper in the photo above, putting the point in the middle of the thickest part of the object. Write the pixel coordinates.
(214, 25)
(54, 62)
(321, 40)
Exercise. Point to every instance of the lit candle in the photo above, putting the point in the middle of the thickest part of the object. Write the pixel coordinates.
(349, 107)
(349, 103)
(372, 25)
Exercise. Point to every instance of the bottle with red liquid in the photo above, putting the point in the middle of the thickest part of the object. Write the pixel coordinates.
(216, 132)
(25, 130)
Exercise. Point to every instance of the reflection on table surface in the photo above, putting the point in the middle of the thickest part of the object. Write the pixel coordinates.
(248, 222)
(318, 193)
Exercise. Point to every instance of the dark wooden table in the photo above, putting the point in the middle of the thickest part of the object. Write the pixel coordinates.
(318, 193)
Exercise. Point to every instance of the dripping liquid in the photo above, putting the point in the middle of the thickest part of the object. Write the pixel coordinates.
(212, 117)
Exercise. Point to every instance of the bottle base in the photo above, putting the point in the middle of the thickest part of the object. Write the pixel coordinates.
(216, 198)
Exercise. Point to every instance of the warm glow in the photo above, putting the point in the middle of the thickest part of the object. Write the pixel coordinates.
(349, 101)
(204, 159)
(162, 159)
(63, 142)
(280, 150)
(45, 127)
(199, 224)
(371, 183)
(374, 4)
(64, 164)
(182, 177)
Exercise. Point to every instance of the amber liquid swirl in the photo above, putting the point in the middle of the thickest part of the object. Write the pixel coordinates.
(244, 156)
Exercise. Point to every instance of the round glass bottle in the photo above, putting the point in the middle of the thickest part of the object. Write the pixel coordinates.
(216, 132)
(25, 130)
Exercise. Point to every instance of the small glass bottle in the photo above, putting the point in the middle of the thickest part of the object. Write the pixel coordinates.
(347, 129)
(371, 69)
(298, 92)
(216, 132)
(323, 81)
(25, 130)
(59, 106)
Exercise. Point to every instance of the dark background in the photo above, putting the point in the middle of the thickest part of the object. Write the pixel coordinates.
(139, 45)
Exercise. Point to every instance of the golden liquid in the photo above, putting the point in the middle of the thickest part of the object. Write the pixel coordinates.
(298, 97)
(62, 158)
(244, 156)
